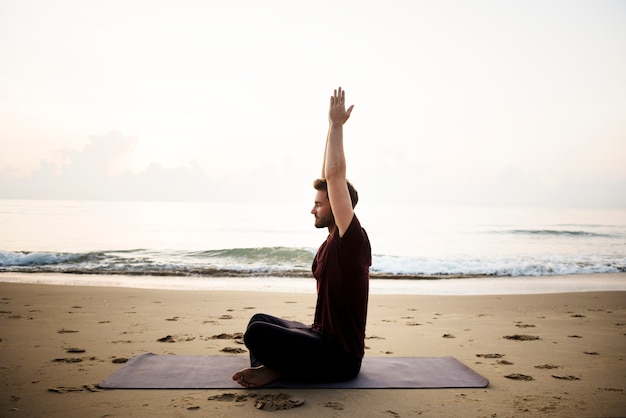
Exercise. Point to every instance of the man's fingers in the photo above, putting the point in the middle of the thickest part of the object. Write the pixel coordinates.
(338, 100)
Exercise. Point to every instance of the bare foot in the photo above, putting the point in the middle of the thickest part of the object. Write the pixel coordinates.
(253, 377)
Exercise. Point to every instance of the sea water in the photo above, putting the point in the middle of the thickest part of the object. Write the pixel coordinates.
(271, 245)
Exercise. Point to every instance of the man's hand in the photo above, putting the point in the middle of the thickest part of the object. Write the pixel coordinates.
(338, 115)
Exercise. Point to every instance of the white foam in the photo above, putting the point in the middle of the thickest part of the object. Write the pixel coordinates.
(467, 286)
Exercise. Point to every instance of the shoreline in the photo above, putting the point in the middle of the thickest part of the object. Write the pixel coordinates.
(501, 285)
(57, 342)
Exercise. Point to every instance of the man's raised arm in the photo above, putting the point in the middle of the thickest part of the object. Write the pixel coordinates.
(335, 162)
(323, 176)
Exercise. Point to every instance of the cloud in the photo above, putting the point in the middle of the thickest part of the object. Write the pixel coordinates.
(94, 173)
(99, 172)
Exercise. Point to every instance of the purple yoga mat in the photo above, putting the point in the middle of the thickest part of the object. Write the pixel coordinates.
(151, 371)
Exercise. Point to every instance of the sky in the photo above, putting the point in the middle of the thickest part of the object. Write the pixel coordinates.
(456, 102)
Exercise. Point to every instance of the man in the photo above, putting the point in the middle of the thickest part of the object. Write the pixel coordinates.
(333, 347)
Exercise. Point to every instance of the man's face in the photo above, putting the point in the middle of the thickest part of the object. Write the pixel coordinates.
(321, 209)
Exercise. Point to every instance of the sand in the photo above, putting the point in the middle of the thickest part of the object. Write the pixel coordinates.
(551, 354)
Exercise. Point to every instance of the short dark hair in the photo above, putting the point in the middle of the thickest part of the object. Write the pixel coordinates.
(321, 184)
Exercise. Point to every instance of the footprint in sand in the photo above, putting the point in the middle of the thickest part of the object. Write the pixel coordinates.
(547, 366)
(230, 397)
(224, 336)
(177, 338)
(265, 402)
(334, 405)
(68, 360)
(518, 337)
(68, 389)
(495, 355)
(565, 377)
(167, 339)
(519, 376)
(233, 350)
(276, 401)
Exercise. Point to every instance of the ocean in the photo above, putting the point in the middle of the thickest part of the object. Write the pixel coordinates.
(270, 246)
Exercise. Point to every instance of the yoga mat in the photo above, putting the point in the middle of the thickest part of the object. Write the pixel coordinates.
(151, 371)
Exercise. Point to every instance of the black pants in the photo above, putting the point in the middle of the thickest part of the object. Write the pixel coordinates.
(298, 351)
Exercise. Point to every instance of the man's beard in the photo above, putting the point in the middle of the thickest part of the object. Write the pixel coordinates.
(325, 222)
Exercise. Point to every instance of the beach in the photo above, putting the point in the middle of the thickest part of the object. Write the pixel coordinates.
(560, 354)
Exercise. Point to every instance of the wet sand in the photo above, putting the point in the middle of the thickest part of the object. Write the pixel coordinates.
(544, 354)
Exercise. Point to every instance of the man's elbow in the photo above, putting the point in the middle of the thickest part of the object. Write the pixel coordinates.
(335, 172)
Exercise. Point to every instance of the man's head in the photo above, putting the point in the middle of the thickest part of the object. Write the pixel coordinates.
(320, 184)
(322, 211)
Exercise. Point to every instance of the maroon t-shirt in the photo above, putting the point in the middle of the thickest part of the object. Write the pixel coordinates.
(341, 268)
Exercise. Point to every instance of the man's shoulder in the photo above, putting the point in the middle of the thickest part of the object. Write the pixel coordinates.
(355, 224)
(355, 232)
